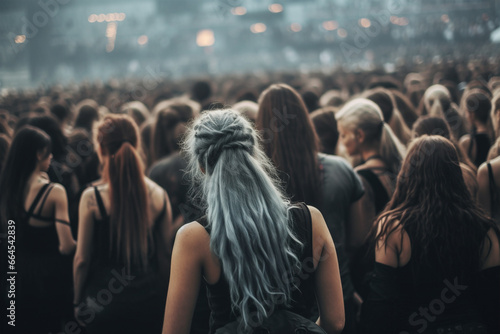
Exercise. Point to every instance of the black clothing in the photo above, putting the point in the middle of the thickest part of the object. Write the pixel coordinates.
(304, 298)
(116, 301)
(44, 275)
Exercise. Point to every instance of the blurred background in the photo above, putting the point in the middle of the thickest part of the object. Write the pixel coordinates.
(47, 42)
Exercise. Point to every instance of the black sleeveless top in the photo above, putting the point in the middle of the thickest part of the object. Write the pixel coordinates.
(44, 280)
(304, 298)
(482, 142)
(494, 199)
(101, 251)
(380, 194)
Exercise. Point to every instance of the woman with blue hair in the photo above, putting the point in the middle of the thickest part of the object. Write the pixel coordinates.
(256, 252)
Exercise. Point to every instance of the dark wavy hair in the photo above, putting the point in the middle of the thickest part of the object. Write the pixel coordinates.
(446, 227)
(290, 141)
(21, 161)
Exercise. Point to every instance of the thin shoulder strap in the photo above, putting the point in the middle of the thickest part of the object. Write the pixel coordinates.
(37, 199)
(379, 191)
(493, 187)
(164, 210)
(307, 221)
(100, 203)
(45, 198)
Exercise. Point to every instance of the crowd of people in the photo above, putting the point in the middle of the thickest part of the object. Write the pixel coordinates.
(344, 202)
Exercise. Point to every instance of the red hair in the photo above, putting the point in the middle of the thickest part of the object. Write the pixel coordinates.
(118, 137)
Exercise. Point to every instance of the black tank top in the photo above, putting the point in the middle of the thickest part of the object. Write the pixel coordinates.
(304, 298)
(482, 142)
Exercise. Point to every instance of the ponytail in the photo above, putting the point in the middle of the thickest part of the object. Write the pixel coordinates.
(247, 214)
(128, 223)
(391, 149)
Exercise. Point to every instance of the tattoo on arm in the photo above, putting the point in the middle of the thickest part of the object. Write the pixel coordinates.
(91, 203)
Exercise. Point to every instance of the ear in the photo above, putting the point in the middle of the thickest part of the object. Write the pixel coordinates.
(360, 135)
(40, 155)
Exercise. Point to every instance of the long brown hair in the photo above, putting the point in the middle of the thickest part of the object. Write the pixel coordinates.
(118, 137)
(291, 142)
(431, 203)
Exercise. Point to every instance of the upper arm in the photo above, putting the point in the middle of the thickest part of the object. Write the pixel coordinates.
(393, 250)
(491, 251)
(464, 143)
(483, 194)
(88, 206)
(327, 276)
(185, 276)
(66, 241)
(361, 216)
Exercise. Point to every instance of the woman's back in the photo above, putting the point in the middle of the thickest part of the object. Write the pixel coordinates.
(437, 254)
(488, 177)
(303, 296)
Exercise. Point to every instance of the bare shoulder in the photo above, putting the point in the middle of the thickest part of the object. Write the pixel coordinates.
(155, 193)
(318, 223)
(193, 236)
(88, 200)
(464, 140)
(58, 194)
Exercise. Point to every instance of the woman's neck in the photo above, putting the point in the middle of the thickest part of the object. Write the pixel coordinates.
(34, 176)
(480, 128)
(369, 154)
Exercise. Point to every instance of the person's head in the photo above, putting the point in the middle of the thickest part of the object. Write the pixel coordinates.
(118, 142)
(201, 91)
(86, 114)
(362, 128)
(246, 212)
(332, 98)
(50, 126)
(432, 204)
(167, 132)
(405, 107)
(4, 148)
(30, 151)
(311, 100)
(437, 100)
(248, 109)
(61, 111)
(326, 127)
(495, 113)
(137, 110)
(387, 104)
(428, 125)
(290, 140)
(477, 106)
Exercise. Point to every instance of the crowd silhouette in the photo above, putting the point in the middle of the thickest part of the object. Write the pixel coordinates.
(353, 202)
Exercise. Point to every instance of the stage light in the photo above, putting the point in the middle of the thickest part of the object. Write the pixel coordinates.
(20, 39)
(92, 18)
(101, 18)
(258, 28)
(142, 40)
(238, 11)
(365, 23)
(342, 33)
(295, 27)
(205, 38)
(445, 18)
(330, 25)
(275, 8)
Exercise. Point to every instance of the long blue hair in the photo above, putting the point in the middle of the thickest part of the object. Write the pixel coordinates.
(248, 215)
